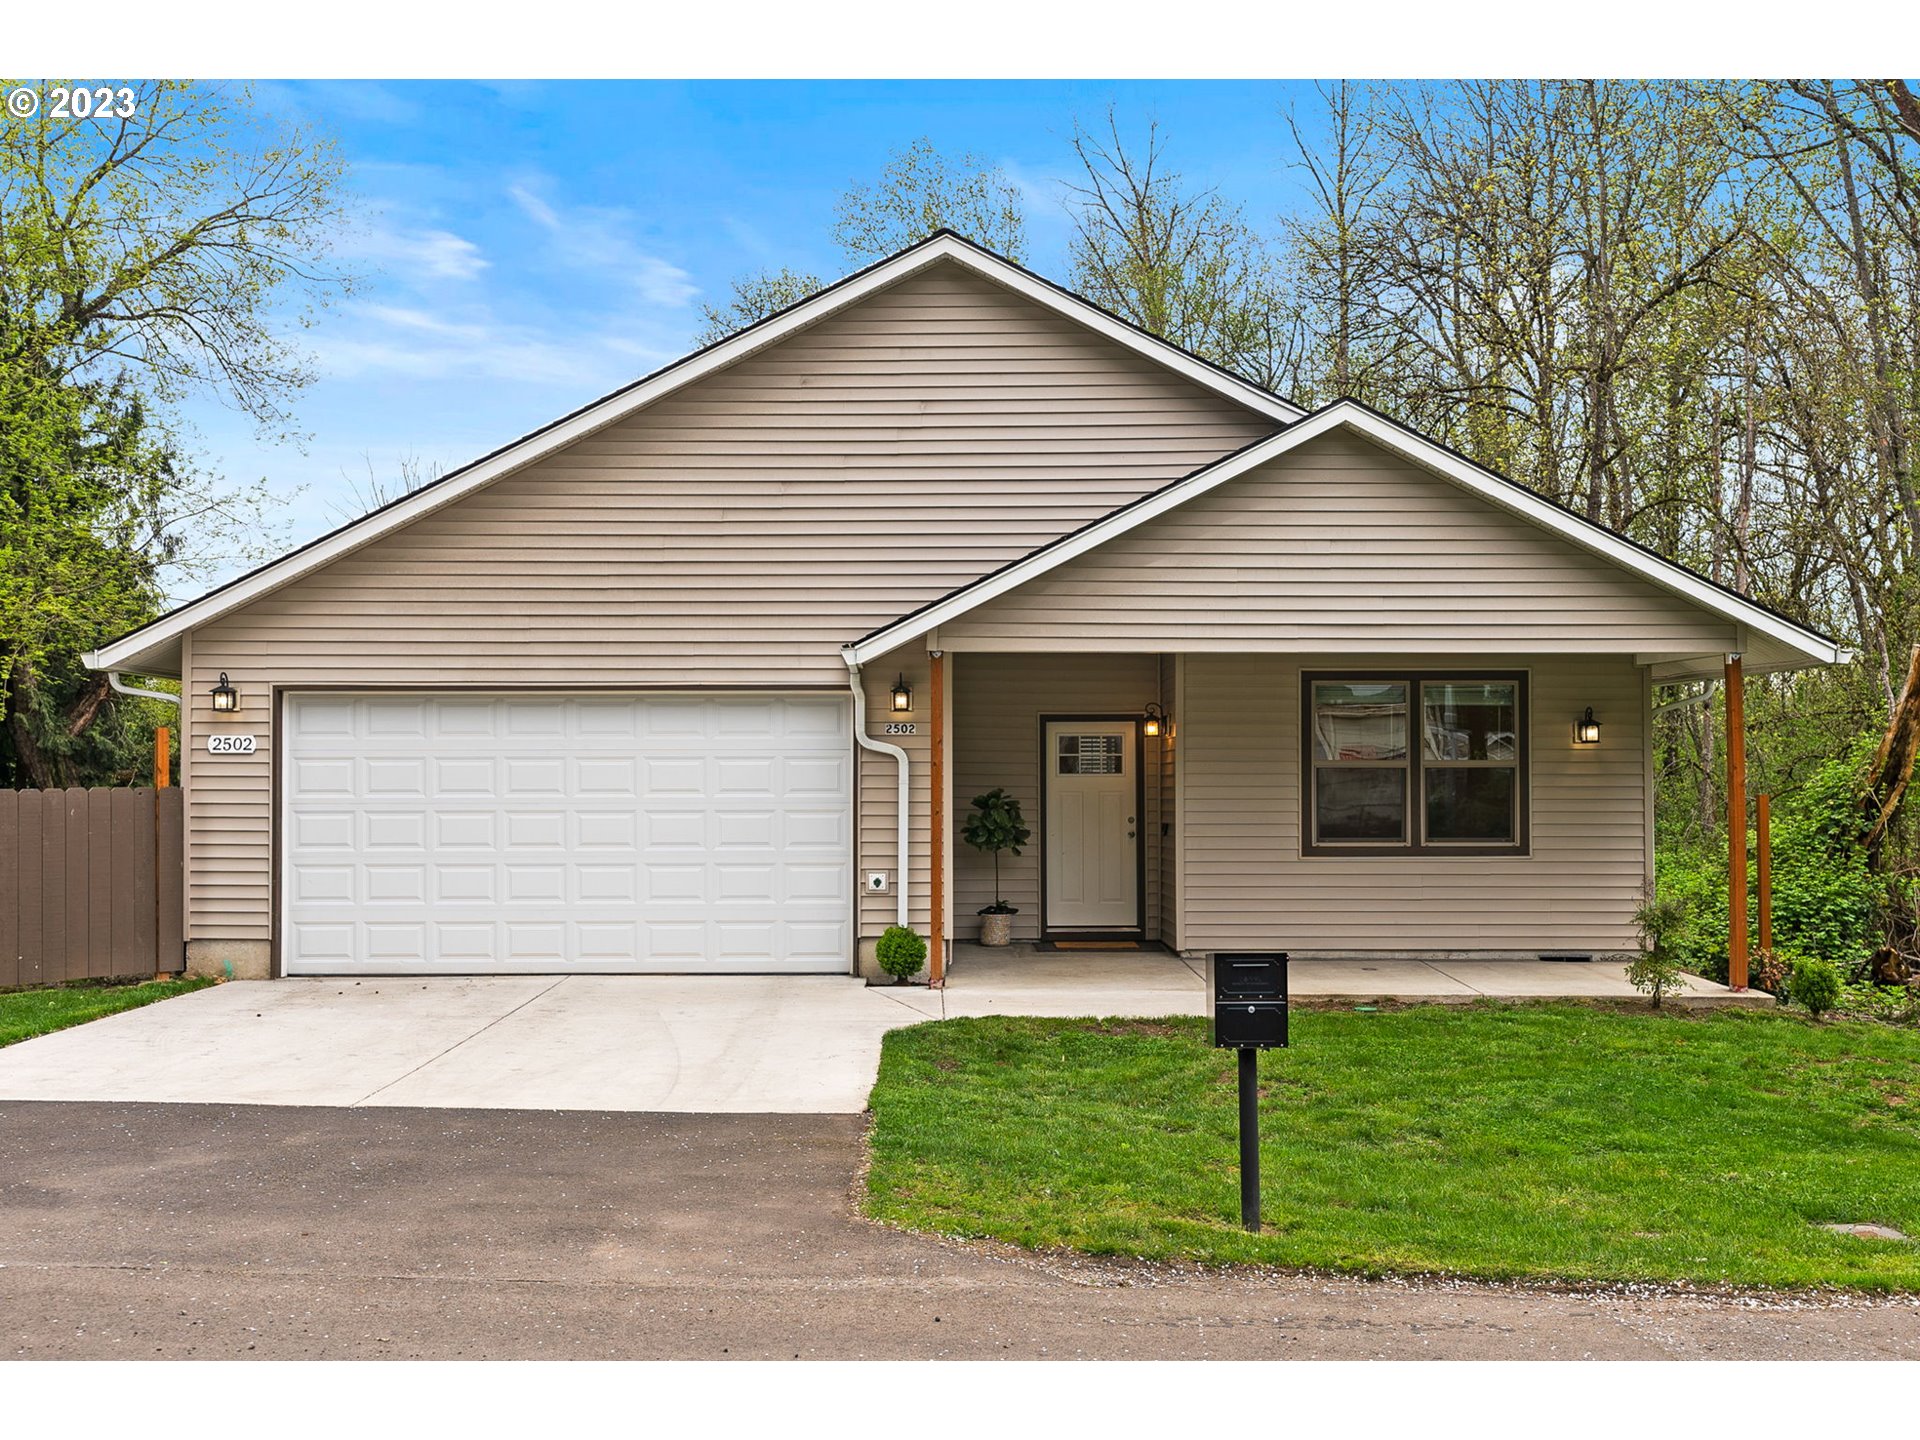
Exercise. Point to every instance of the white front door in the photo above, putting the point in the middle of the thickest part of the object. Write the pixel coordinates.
(1092, 830)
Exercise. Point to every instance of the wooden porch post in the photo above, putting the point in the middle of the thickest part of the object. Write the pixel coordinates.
(1736, 826)
(937, 774)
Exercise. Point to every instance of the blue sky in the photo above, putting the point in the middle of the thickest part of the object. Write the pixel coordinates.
(527, 246)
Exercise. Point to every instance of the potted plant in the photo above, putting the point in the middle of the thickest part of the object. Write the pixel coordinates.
(996, 824)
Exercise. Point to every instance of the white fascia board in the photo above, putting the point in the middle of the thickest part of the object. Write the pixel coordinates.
(618, 406)
(1404, 442)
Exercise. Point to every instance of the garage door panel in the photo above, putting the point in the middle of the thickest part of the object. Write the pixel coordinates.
(396, 830)
(319, 778)
(683, 777)
(606, 775)
(544, 777)
(470, 833)
(323, 883)
(468, 777)
(607, 829)
(465, 829)
(816, 776)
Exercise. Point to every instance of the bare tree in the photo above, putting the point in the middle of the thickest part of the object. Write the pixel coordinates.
(1179, 262)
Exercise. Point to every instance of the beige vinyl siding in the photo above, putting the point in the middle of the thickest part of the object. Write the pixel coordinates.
(1336, 545)
(735, 533)
(877, 845)
(1244, 882)
(998, 702)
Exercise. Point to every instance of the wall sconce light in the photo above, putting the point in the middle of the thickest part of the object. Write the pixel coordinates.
(1586, 730)
(1156, 721)
(225, 697)
(902, 696)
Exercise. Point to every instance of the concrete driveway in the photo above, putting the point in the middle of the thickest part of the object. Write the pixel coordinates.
(232, 1232)
(721, 1044)
(716, 1044)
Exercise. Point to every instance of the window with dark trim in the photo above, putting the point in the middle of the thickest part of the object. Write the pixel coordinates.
(1398, 762)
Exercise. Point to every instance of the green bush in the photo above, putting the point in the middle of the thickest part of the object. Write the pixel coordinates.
(1662, 922)
(1824, 894)
(901, 952)
(1814, 983)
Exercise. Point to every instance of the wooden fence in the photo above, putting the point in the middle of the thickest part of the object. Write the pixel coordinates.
(90, 884)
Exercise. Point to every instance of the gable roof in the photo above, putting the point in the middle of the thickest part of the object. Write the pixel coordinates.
(1430, 455)
(158, 636)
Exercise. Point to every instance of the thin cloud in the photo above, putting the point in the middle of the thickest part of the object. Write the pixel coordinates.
(369, 340)
(596, 238)
(420, 254)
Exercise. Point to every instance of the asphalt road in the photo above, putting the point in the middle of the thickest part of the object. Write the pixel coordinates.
(203, 1231)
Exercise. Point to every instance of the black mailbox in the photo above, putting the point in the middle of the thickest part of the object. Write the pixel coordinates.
(1249, 1000)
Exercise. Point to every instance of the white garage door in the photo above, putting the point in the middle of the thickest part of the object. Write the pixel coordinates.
(465, 834)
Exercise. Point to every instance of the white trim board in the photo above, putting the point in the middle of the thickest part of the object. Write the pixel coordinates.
(1410, 445)
(943, 246)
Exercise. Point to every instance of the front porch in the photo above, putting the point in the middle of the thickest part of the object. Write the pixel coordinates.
(1028, 979)
(1172, 804)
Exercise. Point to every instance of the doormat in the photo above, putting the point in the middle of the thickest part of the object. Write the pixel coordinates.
(1091, 945)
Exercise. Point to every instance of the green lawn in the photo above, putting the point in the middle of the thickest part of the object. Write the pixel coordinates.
(1549, 1141)
(27, 1013)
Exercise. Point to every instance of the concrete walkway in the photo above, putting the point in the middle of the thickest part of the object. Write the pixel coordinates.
(1027, 980)
(681, 1044)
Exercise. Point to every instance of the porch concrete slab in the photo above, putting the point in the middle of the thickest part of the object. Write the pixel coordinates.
(1546, 979)
(1027, 980)
(1374, 980)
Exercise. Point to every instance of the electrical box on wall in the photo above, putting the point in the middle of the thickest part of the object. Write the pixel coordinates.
(876, 882)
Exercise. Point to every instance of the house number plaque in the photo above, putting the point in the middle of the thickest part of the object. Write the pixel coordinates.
(900, 727)
(230, 744)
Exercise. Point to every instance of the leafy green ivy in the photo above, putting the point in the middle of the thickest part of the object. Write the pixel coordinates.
(1824, 893)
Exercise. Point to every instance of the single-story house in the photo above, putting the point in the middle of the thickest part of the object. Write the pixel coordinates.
(702, 676)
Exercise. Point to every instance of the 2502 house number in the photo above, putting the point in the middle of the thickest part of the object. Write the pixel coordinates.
(230, 744)
(900, 727)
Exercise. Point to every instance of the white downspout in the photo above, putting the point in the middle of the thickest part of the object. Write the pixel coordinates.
(900, 760)
(113, 679)
(1685, 700)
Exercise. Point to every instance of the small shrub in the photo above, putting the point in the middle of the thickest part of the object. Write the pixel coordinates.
(1769, 971)
(901, 952)
(1662, 923)
(1814, 983)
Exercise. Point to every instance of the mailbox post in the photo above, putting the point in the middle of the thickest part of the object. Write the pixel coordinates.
(1249, 1015)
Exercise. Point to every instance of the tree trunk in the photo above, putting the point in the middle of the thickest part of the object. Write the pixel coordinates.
(36, 766)
(1893, 761)
(81, 713)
